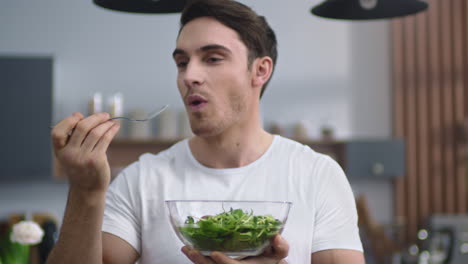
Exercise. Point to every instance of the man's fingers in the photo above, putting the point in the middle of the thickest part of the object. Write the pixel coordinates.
(84, 127)
(280, 247)
(79, 115)
(95, 135)
(278, 252)
(106, 139)
(60, 132)
(196, 257)
(221, 258)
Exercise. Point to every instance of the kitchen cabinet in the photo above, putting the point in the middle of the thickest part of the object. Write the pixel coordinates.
(377, 159)
(25, 115)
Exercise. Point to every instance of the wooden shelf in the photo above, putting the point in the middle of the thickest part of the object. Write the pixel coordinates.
(377, 159)
(123, 152)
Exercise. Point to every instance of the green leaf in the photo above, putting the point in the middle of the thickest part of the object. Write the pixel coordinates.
(13, 252)
(233, 230)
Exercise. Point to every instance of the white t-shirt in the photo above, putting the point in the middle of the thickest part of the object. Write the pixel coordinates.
(323, 213)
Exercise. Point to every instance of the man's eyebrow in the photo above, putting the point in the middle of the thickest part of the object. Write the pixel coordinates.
(204, 48)
(215, 47)
(177, 51)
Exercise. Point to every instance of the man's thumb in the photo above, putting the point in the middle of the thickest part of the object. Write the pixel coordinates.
(280, 247)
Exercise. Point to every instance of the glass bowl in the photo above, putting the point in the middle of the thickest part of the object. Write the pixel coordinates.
(236, 228)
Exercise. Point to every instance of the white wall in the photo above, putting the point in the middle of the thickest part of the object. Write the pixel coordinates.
(328, 72)
(370, 75)
(33, 197)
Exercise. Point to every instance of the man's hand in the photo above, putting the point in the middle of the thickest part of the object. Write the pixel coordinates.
(80, 146)
(273, 255)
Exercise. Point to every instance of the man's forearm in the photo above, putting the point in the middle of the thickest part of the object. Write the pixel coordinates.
(80, 239)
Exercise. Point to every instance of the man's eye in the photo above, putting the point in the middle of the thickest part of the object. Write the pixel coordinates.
(214, 59)
(181, 64)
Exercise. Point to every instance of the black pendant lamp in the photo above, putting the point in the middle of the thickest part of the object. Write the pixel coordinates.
(368, 9)
(143, 6)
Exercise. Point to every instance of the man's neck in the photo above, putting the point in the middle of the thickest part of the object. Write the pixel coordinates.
(231, 149)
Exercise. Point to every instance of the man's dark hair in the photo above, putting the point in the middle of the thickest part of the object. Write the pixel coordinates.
(252, 29)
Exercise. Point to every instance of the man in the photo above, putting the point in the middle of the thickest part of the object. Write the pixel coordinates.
(225, 55)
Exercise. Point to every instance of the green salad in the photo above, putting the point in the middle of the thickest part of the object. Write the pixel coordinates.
(233, 230)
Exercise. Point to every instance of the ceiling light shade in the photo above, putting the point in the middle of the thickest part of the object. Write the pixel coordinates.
(143, 6)
(368, 9)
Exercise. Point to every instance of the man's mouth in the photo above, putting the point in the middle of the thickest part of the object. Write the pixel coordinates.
(196, 102)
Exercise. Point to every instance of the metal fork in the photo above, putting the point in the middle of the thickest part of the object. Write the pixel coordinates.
(149, 116)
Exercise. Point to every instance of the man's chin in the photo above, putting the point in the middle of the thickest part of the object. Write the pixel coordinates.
(205, 131)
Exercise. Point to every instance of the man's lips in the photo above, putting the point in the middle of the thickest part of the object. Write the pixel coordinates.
(196, 102)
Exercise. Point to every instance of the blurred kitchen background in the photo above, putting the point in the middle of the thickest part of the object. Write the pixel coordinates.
(387, 98)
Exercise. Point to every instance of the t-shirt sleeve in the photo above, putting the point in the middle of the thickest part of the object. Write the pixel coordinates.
(121, 214)
(336, 215)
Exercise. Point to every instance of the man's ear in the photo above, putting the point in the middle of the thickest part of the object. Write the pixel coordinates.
(262, 70)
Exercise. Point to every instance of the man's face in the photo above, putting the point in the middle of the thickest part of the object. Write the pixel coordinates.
(213, 76)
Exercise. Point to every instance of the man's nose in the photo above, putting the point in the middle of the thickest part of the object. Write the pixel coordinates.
(193, 74)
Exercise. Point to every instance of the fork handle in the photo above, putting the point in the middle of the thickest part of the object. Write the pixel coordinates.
(119, 117)
(122, 117)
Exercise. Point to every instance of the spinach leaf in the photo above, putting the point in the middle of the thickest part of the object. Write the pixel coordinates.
(233, 230)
